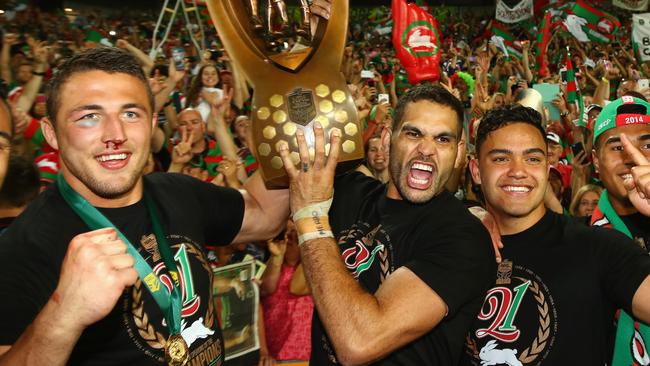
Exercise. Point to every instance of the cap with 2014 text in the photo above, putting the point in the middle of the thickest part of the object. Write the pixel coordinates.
(626, 110)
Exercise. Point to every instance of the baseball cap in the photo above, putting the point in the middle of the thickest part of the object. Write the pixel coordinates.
(553, 137)
(626, 110)
(592, 107)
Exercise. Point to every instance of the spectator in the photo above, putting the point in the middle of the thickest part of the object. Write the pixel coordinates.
(20, 187)
(287, 303)
(585, 200)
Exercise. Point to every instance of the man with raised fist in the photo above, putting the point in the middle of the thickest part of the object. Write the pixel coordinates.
(108, 266)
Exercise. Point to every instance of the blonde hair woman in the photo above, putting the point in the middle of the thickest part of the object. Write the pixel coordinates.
(585, 200)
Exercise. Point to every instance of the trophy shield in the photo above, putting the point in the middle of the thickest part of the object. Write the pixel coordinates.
(293, 86)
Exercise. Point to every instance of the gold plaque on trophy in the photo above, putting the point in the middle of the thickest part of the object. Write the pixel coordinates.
(296, 78)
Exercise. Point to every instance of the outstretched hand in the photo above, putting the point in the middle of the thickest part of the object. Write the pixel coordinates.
(312, 182)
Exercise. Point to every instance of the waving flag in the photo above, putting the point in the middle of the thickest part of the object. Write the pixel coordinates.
(519, 12)
(634, 5)
(588, 24)
(573, 90)
(505, 40)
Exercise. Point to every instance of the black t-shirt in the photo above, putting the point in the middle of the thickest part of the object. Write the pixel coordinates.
(192, 214)
(5, 222)
(440, 241)
(639, 226)
(555, 296)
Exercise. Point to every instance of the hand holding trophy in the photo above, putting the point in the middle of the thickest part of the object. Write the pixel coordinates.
(296, 78)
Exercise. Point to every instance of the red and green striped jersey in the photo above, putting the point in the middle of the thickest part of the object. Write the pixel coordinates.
(34, 135)
(208, 159)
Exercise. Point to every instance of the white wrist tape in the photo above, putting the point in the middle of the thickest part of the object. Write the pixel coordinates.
(319, 209)
(314, 235)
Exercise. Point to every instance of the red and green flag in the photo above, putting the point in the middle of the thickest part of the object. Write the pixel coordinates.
(588, 24)
(543, 37)
(573, 90)
(505, 40)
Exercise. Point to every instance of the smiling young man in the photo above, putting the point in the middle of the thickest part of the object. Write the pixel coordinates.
(415, 262)
(108, 266)
(620, 206)
(560, 282)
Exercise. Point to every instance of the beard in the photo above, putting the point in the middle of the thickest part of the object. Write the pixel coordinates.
(110, 188)
(399, 175)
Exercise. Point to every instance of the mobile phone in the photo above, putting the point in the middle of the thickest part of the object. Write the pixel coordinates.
(643, 84)
(577, 148)
(382, 98)
(178, 55)
(367, 74)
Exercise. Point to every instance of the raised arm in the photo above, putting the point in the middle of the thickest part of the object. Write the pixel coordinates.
(528, 74)
(145, 61)
(162, 95)
(266, 210)
(271, 276)
(32, 87)
(8, 40)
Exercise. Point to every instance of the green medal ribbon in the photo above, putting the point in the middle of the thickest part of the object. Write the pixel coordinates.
(609, 212)
(169, 303)
(625, 329)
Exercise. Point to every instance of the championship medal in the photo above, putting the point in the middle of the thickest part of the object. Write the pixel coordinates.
(176, 351)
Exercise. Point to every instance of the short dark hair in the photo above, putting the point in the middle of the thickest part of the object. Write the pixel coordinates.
(432, 93)
(21, 183)
(108, 59)
(506, 115)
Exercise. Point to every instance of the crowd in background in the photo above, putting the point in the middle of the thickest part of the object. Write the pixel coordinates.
(203, 109)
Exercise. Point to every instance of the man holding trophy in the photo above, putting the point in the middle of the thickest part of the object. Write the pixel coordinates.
(116, 271)
(393, 279)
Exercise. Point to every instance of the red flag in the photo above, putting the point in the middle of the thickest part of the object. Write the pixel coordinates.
(417, 40)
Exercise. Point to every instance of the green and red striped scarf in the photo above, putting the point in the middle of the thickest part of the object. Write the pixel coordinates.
(628, 330)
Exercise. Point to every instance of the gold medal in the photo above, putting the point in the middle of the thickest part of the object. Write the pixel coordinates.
(176, 351)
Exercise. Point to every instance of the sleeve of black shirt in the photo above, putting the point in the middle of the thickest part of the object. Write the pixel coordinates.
(622, 265)
(220, 209)
(456, 261)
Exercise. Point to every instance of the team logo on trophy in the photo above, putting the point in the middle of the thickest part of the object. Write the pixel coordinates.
(296, 77)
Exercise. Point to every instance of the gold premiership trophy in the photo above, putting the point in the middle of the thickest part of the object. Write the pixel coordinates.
(297, 80)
